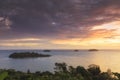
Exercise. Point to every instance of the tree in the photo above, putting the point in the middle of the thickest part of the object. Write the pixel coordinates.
(81, 70)
(62, 67)
(72, 70)
(94, 69)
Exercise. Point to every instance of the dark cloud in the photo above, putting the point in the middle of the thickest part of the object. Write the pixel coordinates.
(56, 18)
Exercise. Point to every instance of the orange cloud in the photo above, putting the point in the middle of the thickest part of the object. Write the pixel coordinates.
(20, 44)
(103, 36)
(101, 33)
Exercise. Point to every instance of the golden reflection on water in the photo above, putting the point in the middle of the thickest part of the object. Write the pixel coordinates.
(105, 60)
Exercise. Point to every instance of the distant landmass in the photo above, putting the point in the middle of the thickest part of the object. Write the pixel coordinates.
(76, 50)
(93, 50)
(27, 55)
(46, 50)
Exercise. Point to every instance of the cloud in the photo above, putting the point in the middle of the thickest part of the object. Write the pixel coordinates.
(56, 19)
(5, 23)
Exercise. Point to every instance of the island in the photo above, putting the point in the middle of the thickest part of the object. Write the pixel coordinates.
(46, 50)
(27, 55)
(93, 50)
(76, 50)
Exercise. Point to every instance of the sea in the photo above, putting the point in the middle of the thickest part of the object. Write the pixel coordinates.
(106, 59)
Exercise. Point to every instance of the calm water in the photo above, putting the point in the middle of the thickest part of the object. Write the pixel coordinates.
(107, 59)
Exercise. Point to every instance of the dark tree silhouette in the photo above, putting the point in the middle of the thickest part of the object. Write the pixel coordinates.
(94, 69)
(62, 67)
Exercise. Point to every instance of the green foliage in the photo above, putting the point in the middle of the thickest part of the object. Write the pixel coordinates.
(3, 75)
(63, 72)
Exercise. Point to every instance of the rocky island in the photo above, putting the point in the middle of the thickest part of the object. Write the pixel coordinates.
(27, 55)
(93, 50)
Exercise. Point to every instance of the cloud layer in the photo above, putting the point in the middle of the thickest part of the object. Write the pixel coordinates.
(55, 19)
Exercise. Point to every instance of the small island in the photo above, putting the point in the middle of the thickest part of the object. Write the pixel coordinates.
(76, 50)
(46, 50)
(27, 55)
(93, 50)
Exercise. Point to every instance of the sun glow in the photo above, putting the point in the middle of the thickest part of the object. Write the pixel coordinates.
(106, 35)
(113, 25)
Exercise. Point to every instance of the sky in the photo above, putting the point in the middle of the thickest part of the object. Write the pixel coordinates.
(59, 24)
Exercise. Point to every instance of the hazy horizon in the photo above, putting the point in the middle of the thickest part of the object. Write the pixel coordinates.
(63, 49)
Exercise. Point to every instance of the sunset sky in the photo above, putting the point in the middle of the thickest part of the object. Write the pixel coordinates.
(59, 24)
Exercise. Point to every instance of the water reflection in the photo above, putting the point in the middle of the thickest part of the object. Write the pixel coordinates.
(106, 59)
